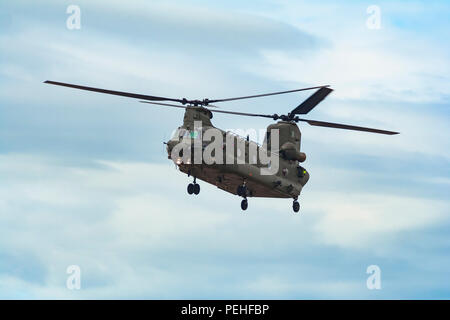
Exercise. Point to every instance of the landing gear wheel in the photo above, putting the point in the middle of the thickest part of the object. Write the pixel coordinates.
(196, 188)
(244, 204)
(190, 188)
(296, 206)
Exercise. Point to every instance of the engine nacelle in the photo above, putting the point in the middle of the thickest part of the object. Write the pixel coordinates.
(290, 152)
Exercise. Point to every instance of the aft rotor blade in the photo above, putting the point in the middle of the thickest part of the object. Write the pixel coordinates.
(345, 126)
(117, 93)
(266, 94)
(165, 104)
(220, 111)
(245, 114)
(307, 105)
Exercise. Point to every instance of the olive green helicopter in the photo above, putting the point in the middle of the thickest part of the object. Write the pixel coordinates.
(243, 175)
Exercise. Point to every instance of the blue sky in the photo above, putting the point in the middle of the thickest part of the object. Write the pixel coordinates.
(84, 178)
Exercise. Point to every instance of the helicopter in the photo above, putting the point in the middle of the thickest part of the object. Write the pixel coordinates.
(245, 170)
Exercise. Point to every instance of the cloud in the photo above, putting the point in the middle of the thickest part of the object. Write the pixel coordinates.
(136, 233)
(372, 73)
(126, 219)
(363, 220)
(394, 63)
(40, 118)
(186, 27)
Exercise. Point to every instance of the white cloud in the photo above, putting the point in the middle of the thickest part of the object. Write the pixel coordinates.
(391, 64)
(371, 220)
(132, 227)
(371, 72)
(125, 222)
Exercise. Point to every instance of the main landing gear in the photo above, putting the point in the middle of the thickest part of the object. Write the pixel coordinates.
(295, 206)
(244, 204)
(193, 188)
(242, 192)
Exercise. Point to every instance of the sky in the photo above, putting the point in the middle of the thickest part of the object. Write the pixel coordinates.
(85, 180)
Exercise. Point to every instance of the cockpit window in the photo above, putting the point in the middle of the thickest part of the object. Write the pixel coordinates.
(301, 171)
(178, 134)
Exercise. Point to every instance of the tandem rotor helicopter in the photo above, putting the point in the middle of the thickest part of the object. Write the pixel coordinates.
(243, 179)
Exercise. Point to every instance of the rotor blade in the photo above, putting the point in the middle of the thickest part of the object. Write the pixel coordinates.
(307, 105)
(220, 111)
(165, 104)
(265, 94)
(245, 114)
(117, 93)
(345, 126)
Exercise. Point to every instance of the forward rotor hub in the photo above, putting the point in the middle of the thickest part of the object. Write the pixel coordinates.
(196, 103)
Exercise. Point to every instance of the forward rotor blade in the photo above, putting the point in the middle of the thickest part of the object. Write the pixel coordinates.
(345, 126)
(266, 94)
(203, 102)
(117, 93)
(307, 105)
